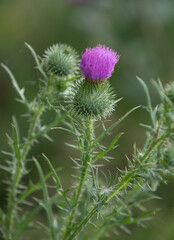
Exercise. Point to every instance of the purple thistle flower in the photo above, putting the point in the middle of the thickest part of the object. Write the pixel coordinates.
(97, 64)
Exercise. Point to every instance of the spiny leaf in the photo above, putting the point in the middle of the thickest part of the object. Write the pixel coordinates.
(35, 187)
(59, 186)
(7, 153)
(108, 130)
(148, 101)
(38, 64)
(46, 200)
(15, 84)
(73, 78)
(110, 147)
(122, 184)
(61, 128)
(53, 172)
(24, 224)
(33, 53)
(5, 168)
(143, 217)
(72, 146)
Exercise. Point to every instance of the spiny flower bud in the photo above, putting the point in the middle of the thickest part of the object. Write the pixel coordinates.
(61, 60)
(92, 99)
(97, 64)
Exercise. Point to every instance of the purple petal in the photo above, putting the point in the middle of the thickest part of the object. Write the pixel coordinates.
(97, 64)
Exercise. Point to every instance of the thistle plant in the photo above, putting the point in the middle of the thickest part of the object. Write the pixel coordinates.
(93, 206)
(47, 95)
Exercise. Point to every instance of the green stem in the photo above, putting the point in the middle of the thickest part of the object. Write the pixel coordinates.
(83, 223)
(86, 159)
(18, 170)
(31, 131)
(12, 201)
(121, 185)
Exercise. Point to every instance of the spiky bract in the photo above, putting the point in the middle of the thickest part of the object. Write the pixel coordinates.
(92, 99)
(61, 60)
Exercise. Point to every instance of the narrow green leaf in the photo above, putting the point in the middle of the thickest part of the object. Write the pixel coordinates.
(146, 126)
(148, 101)
(108, 130)
(53, 172)
(33, 53)
(159, 87)
(38, 64)
(35, 187)
(135, 152)
(71, 79)
(110, 147)
(153, 146)
(46, 201)
(25, 223)
(122, 184)
(72, 146)
(15, 84)
(143, 217)
(59, 186)
(61, 128)
(146, 91)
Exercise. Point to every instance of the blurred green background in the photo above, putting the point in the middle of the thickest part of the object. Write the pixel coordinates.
(142, 31)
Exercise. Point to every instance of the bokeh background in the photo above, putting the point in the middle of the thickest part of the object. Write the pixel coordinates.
(142, 31)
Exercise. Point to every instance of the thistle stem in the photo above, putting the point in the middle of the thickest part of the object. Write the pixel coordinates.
(12, 201)
(31, 131)
(86, 159)
(18, 169)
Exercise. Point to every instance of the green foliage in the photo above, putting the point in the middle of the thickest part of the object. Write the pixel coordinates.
(95, 204)
(169, 91)
(17, 166)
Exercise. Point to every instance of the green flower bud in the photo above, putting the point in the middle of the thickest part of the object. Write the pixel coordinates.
(92, 99)
(62, 61)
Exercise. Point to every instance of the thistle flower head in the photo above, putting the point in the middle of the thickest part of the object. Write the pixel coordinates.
(61, 60)
(97, 64)
(92, 99)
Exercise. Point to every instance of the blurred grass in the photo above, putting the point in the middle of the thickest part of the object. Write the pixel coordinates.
(141, 31)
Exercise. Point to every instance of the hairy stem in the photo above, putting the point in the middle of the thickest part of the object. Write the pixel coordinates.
(86, 159)
(31, 131)
(12, 201)
(121, 185)
(18, 171)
